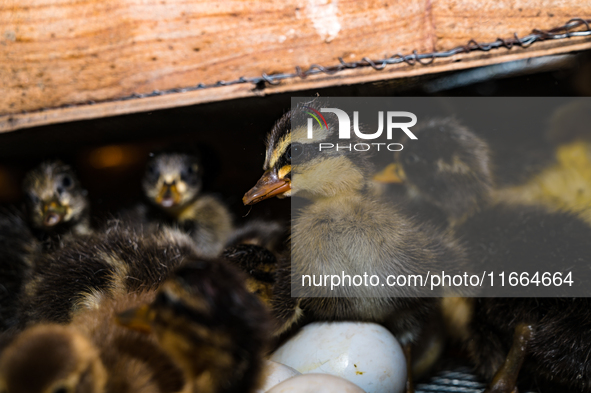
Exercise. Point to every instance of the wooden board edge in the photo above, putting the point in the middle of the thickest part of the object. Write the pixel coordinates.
(13, 122)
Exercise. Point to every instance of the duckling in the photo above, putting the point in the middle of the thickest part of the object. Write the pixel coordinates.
(346, 229)
(51, 359)
(92, 266)
(92, 354)
(57, 209)
(57, 205)
(254, 248)
(18, 248)
(172, 184)
(210, 324)
(549, 338)
(468, 181)
(566, 185)
(259, 263)
(570, 122)
(271, 235)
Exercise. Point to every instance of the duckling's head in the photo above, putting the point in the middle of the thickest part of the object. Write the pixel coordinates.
(172, 180)
(309, 167)
(447, 165)
(570, 122)
(211, 325)
(51, 359)
(55, 197)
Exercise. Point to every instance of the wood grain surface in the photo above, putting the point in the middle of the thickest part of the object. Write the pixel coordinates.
(59, 52)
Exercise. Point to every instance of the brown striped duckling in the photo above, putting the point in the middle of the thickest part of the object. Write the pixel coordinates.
(91, 354)
(92, 266)
(210, 324)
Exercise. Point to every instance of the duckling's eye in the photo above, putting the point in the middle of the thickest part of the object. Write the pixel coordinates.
(411, 159)
(67, 182)
(294, 151)
(61, 389)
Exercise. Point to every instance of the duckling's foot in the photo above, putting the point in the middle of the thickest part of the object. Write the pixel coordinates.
(505, 380)
(410, 386)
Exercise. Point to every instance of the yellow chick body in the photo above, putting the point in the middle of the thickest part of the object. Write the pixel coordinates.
(565, 186)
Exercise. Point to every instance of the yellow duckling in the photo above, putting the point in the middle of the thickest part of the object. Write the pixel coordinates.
(566, 185)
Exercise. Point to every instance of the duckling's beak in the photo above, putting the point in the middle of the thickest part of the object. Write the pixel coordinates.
(268, 186)
(169, 195)
(53, 213)
(393, 173)
(138, 319)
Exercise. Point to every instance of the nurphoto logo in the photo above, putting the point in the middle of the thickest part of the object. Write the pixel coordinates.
(392, 122)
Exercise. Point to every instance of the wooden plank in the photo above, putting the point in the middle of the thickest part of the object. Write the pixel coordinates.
(112, 108)
(59, 52)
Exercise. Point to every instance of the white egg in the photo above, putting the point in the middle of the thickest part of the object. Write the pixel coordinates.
(274, 373)
(316, 383)
(364, 353)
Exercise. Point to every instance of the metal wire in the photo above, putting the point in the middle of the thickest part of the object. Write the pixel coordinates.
(576, 27)
(459, 379)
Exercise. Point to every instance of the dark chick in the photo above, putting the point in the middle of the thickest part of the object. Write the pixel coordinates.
(172, 184)
(79, 276)
(254, 248)
(81, 287)
(57, 205)
(56, 210)
(270, 235)
(447, 173)
(344, 228)
(210, 324)
(91, 354)
(259, 263)
(548, 338)
(51, 359)
(18, 250)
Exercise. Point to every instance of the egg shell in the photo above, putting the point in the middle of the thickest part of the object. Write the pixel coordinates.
(364, 353)
(316, 383)
(275, 373)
